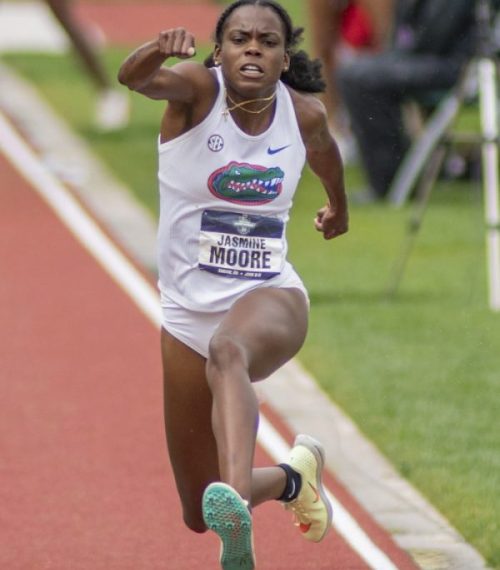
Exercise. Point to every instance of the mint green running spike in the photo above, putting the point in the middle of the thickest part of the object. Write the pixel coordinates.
(226, 513)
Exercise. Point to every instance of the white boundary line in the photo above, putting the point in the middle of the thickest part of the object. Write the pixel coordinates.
(78, 221)
(97, 243)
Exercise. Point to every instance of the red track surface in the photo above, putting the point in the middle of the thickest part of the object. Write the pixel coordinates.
(131, 23)
(84, 478)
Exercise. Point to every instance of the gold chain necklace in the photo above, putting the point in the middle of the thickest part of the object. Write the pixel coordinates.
(269, 100)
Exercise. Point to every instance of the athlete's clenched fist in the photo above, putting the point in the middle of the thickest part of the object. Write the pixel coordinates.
(176, 42)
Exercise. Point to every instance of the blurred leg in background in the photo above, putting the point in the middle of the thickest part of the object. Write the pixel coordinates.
(342, 30)
(112, 108)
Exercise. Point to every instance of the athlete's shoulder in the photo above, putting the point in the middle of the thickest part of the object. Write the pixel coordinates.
(179, 116)
(310, 112)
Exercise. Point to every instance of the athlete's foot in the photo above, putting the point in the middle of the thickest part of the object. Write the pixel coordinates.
(311, 509)
(227, 514)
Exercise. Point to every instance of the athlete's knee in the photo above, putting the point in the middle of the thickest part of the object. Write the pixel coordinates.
(225, 352)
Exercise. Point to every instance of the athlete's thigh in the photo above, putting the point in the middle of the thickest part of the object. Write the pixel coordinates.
(270, 324)
(188, 406)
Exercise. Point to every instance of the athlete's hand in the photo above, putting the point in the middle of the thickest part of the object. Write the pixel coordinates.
(332, 221)
(176, 42)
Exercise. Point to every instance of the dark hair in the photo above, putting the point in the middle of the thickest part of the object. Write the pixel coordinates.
(303, 73)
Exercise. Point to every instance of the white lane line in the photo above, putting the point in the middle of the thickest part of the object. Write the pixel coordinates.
(78, 221)
(97, 243)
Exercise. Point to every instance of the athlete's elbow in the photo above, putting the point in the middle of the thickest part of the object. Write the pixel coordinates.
(128, 80)
(123, 77)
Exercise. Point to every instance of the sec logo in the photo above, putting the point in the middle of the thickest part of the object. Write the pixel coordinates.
(215, 143)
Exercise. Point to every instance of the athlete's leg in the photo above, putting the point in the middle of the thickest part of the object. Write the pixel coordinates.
(261, 332)
(191, 444)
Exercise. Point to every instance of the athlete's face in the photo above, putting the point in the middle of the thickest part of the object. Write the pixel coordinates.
(252, 53)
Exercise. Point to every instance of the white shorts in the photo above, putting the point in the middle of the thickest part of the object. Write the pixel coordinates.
(196, 328)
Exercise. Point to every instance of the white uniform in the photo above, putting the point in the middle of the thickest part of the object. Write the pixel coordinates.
(224, 202)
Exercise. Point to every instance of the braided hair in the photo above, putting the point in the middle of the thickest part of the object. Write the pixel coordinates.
(303, 74)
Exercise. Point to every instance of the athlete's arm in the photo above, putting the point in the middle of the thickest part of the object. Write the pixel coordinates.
(143, 70)
(324, 159)
(189, 87)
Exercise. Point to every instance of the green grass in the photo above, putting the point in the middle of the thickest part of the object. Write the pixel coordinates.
(419, 373)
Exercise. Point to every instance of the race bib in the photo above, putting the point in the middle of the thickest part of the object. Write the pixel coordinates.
(245, 246)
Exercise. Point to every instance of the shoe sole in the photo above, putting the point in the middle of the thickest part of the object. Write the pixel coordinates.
(225, 512)
(316, 448)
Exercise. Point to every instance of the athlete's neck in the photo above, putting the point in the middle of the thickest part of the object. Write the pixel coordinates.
(254, 115)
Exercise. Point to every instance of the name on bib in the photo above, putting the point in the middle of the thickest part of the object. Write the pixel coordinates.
(244, 246)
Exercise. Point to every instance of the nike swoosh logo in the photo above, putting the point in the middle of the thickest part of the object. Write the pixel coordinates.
(276, 150)
(315, 491)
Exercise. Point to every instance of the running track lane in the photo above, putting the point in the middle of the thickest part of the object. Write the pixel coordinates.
(84, 477)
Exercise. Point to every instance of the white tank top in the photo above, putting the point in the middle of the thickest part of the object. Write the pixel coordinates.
(224, 202)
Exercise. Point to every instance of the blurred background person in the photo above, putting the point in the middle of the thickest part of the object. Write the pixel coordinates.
(112, 108)
(430, 42)
(340, 30)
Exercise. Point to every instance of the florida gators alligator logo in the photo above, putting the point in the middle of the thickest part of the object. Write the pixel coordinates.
(244, 183)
